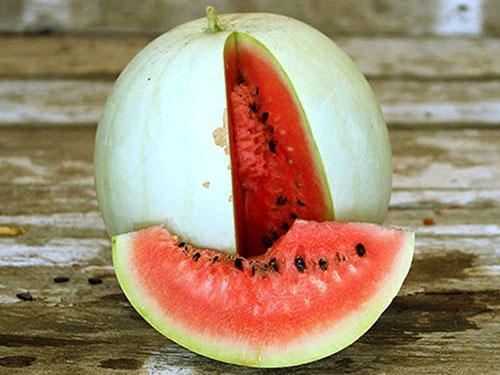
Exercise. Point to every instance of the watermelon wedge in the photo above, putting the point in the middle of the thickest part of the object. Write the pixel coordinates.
(315, 291)
(278, 174)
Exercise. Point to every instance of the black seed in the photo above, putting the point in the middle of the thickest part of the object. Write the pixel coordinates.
(61, 279)
(267, 241)
(196, 256)
(285, 226)
(181, 244)
(275, 235)
(270, 129)
(281, 200)
(272, 145)
(340, 257)
(265, 116)
(255, 91)
(94, 280)
(294, 216)
(253, 107)
(273, 263)
(360, 249)
(240, 80)
(216, 258)
(323, 264)
(253, 270)
(300, 203)
(238, 263)
(24, 296)
(300, 263)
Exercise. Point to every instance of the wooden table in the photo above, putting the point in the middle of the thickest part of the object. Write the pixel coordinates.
(441, 99)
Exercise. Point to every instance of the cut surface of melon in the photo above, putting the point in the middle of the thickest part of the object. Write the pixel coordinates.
(314, 292)
(277, 172)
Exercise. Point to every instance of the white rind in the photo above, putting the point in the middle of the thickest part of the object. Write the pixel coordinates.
(155, 147)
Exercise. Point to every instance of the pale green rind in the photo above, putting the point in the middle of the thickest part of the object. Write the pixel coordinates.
(160, 119)
(306, 349)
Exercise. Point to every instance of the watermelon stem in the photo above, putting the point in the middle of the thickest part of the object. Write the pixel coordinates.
(214, 24)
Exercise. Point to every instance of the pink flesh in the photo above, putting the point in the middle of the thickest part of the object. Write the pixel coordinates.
(217, 299)
(275, 175)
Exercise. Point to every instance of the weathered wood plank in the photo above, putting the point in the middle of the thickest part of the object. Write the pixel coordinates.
(419, 58)
(404, 103)
(367, 17)
(411, 335)
(47, 188)
(450, 255)
(446, 311)
(454, 159)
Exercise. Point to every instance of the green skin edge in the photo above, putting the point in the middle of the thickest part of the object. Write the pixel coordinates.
(148, 309)
(248, 39)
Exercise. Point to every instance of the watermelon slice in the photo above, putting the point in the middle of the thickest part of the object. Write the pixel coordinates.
(315, 291)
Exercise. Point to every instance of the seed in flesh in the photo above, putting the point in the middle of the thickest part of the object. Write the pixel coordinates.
(238, 263)
(267, 241)
(265, 116)
(300, 263)
(360, 249)
(323, 264)
(196, 256)
(273, 263)
(285, 226)
(281, 200)
(272, 145)
(300, 203)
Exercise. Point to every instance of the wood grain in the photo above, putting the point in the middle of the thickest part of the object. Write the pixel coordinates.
(441, 97)
(430, 326)
(360, 17)
(446, 311)
(424, 159)
(390, 57)
(450, 176)
(404, 103)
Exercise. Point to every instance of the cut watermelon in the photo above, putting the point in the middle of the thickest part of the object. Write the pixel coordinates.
(314, 292)
(277, 171)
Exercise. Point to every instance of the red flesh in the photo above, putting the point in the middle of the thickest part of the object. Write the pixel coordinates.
(210, 295)
(275, 176)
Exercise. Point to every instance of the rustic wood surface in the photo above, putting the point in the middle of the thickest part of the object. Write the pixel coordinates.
(62, 311)
(358, 17)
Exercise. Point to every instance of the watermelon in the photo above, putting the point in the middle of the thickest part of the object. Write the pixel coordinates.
(315, 290)
(226, 133)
